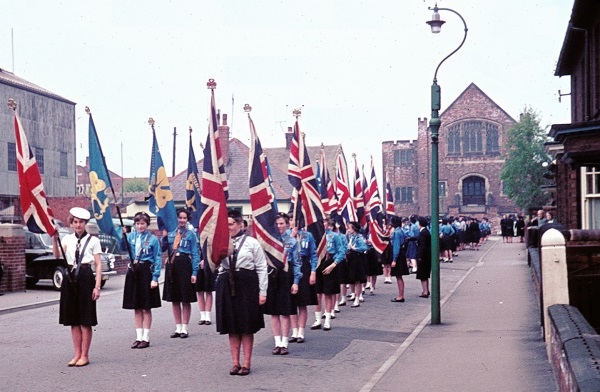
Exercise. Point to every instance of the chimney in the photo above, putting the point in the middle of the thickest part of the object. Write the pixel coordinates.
(288, 138)
(223, 130)
(87, 163)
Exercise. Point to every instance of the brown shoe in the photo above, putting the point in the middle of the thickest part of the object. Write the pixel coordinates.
(276, 351)
(136, 344)
(244, 371)
(283, 351)
(235, 370)
(143, 344)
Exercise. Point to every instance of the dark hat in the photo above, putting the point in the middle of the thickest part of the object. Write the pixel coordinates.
(395, 221)
(235, 214)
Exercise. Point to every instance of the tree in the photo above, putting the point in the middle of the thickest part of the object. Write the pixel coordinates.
(135, 185)
(522, 171)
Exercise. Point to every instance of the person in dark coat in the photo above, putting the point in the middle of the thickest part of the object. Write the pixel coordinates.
(424, 256)
(520, 225)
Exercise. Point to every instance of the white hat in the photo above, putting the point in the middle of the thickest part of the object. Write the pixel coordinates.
(80, 213)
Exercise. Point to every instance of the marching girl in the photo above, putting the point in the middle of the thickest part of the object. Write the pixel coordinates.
(357, 247)
(80, 290)
(399, 265)
(141, 282)
(205, 285)
(181, 270)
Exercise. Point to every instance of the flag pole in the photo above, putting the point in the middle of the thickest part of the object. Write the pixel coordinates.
(297, 113)
(88, 111)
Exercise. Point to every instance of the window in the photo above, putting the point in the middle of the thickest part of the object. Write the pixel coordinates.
(472, 139)
(403, 157)
(406, 194)
(397, 193)
(474, 190)
(442, 188)
(491, 139)
(591, 197)
(12, 157)
(64, 165)
(454, 139)
(39, 157)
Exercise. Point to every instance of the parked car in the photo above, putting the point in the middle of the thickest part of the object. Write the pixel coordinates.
(40, 262)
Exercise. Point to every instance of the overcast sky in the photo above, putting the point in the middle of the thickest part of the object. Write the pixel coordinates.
(361, 69)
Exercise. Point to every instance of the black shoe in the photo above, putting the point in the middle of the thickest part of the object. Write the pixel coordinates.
(424, 295)
(183, 335)
(315, 326)
(397, 300)
(293, 340)
(300, 340)
(283, 351)
(175, 335)
(201, 322)
(276, 351)
(207, 323)
(144, 344)
(136, 344)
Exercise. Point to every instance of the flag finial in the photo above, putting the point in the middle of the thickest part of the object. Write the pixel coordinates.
(247, 108)
(12, 104)
(87, 110)
(211, 84)
(297, 112)
(151, 122)
(354, 155)
(190, 129)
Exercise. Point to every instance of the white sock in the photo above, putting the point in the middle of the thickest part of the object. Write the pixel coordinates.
(336, 307)
(146, 335)
(202, 316)
(318, 316)
(294, 332)
(184, 328)
(277, 341)
(301, 332)
(138, 334)
(284, 341)
(207, 316)
(178, 328)
(327, 318)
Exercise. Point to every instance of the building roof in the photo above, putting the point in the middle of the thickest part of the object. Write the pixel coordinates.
(461, 96)
(11, 79)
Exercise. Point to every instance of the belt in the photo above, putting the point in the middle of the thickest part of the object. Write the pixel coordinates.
(73, 267)
(235, 269)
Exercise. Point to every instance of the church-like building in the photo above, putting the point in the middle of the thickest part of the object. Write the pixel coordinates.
(471, 148)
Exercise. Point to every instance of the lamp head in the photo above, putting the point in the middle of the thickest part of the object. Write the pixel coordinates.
(435, 23)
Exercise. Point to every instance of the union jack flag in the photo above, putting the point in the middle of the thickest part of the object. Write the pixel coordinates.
(373, 202)
(214, 225)
(36, 212)
(346, 206)
(359, 202)
(302, 178)
(263, 201)
(379, 238)
(389, 201)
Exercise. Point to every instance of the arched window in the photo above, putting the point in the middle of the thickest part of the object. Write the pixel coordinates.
(454, 139)
(491, 138)
(474, 190)
(473, 141)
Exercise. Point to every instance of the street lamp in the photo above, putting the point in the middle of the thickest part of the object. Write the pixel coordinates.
(434, 124)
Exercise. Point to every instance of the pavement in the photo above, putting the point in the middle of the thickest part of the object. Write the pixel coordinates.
(489, 338)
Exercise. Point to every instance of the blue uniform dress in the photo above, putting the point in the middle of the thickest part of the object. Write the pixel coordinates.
(144, 269)
(307, 293)
(399, 245)
(279, 295)
(356, 258)
(329, 284)
(447, 237)
(342, 268)
(413, 234)
(179, 269)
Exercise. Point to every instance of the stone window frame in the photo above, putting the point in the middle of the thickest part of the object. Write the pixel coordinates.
(404, 194)
(11, 155)
(487, 191)
(462, 134)
(39, 158)
(64, 164)
(404, 157)
(590, 197)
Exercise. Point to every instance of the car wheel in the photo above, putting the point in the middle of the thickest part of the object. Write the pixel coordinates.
(102, 283)
(58, 276)
(30, 282)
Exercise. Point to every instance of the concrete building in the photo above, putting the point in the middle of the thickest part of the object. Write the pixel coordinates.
(471, 148)
(49, 123)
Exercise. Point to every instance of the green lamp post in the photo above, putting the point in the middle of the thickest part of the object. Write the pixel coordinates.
(434, 124)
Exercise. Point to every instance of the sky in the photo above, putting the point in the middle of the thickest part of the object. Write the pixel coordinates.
(361, 71)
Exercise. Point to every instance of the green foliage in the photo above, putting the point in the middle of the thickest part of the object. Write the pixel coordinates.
(522, 172)
(135, 185)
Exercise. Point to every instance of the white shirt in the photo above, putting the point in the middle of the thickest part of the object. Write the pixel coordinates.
(69, 244)
(251, 257)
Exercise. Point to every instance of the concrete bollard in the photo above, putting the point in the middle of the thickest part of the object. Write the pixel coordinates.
(555, 285)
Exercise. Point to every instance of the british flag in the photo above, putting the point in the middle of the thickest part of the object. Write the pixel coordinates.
(36, 212)
(214, 226)
(262, 201)
(373, 203)
(346, 205)
(379, 237)
(302, 177)
(389, 201)
(359, 202)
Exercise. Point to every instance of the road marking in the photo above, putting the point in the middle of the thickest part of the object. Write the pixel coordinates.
(368, 387)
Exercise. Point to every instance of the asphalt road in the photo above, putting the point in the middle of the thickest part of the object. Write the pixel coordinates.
(35, 348)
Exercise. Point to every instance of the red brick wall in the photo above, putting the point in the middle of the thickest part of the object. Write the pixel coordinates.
(61, 205)
(12, 257)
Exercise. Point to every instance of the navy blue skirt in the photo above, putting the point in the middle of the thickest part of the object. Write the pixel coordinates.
(239, 314)
(76, 304)
(137, 293)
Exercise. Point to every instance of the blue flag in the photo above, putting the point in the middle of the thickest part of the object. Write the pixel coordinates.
(99, 183)
(160, 201)
(192, 188)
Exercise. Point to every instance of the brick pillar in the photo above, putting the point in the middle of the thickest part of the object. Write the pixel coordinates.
(12, 257)
(224, 139)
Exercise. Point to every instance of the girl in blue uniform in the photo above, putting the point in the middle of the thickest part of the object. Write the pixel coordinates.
(141, 282)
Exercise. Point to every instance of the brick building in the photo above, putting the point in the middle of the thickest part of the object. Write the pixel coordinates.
(576, 146)
(471, 146)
